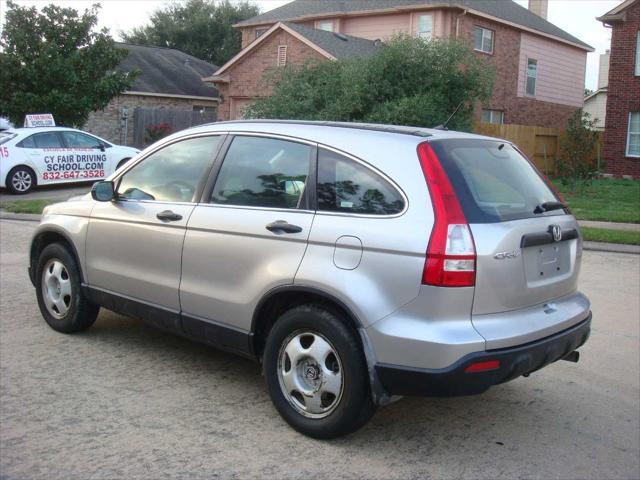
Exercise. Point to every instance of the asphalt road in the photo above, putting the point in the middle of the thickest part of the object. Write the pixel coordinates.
(126, 401)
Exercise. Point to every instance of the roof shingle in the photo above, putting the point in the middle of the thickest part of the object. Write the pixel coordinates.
(167, 71)
(506, 10)
(336, 44)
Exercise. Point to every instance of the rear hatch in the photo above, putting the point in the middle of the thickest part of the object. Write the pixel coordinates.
(528, 247)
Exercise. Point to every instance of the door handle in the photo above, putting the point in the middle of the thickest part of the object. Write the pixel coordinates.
(168, 216)
(281, 226)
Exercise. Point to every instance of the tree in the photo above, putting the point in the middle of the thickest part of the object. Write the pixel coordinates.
(202, 28)
(53, 62)
(576, 150)
(408, 81)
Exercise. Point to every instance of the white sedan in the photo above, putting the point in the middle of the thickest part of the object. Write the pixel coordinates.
(49, 155)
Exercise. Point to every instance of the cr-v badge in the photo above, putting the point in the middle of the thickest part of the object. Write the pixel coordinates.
(506, 255)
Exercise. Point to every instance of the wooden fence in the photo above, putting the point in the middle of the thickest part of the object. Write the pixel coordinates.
(540, 144)
(145, 117)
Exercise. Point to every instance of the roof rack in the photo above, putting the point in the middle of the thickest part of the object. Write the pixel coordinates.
(418, 132)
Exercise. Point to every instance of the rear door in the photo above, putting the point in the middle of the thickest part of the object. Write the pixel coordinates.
(88, 157)
(248, 235)
(520, 262)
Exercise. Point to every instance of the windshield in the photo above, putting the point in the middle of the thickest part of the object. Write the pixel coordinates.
(493, 181)
(6, 136)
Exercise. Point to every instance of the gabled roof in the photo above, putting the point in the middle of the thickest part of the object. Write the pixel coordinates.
(166, 71)
(502, 10)
(617, 13)
(331, 45)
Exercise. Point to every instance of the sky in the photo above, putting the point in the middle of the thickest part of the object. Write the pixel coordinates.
(574, 16)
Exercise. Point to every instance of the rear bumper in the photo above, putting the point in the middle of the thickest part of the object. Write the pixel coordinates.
(514, 362)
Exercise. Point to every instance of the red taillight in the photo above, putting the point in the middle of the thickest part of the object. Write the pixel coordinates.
(451, 255)
(483, 366)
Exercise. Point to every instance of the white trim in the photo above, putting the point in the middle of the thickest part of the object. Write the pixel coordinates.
(526, 79)
(626, 150)
(261, 39)
(172, 95)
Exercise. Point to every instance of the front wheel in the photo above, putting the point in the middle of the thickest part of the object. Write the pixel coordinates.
(21, 180)
(316, 373)
(61, 301)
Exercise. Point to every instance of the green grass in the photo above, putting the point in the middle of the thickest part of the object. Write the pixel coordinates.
(610, 236)
(27, 206)
(609, 200)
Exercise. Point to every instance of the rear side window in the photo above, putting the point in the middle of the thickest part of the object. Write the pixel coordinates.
(41, 140)
(347, 186)
(263, 172)
(494, 183)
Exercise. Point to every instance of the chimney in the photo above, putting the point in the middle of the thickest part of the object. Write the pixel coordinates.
(603, 70)
(539, 7)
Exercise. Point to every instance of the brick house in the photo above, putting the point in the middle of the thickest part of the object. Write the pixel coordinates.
(540, 68)
(621, 152)
(167, 78)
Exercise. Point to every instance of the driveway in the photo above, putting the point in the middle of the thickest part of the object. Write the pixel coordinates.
(123, 400)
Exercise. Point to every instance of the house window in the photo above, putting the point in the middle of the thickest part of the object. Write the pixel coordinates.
(492, 116)
(326, 25)
(633, 135)
(638, 54)
(282, 56)
(483, 40)
(425, 27)
(260, 31)
(532, 75)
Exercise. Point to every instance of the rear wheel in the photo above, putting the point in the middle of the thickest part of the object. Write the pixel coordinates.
(60, 298)
(21, 180)
(317, 374)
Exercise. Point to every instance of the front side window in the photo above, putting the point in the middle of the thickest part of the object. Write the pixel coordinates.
(532, 75)
(80, 140)
(347, 186)
(263, 172)
(171, 174)
(425, 27)
(42, 140)
(492, 116)
(483, 39)
(633, 135)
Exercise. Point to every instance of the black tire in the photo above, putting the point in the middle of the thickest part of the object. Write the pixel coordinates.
(19, 177)
(355, 406)
(122, 162)
(81, 313)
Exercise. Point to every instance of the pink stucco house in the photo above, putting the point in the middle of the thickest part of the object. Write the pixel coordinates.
(540, 68)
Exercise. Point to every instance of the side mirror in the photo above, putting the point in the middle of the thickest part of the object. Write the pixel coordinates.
(101, 147)
(103, 191)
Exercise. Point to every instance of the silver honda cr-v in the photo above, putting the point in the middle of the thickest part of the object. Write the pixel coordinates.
(355, 262)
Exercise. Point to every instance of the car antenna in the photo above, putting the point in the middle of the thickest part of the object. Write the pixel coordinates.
(444, 125)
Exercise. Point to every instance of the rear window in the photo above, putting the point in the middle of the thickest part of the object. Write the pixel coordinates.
(494, 182)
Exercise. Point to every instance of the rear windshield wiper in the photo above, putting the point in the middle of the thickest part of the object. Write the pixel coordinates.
(548, 206)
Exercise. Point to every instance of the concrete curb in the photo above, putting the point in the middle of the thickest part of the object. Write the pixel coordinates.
(611, 247)
(626, 227)
(25, 217)
(593, 246)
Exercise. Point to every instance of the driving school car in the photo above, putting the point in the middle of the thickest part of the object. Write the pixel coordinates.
(49, 155)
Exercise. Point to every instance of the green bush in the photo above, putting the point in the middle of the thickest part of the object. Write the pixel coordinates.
(408, 81)
(576, 148)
